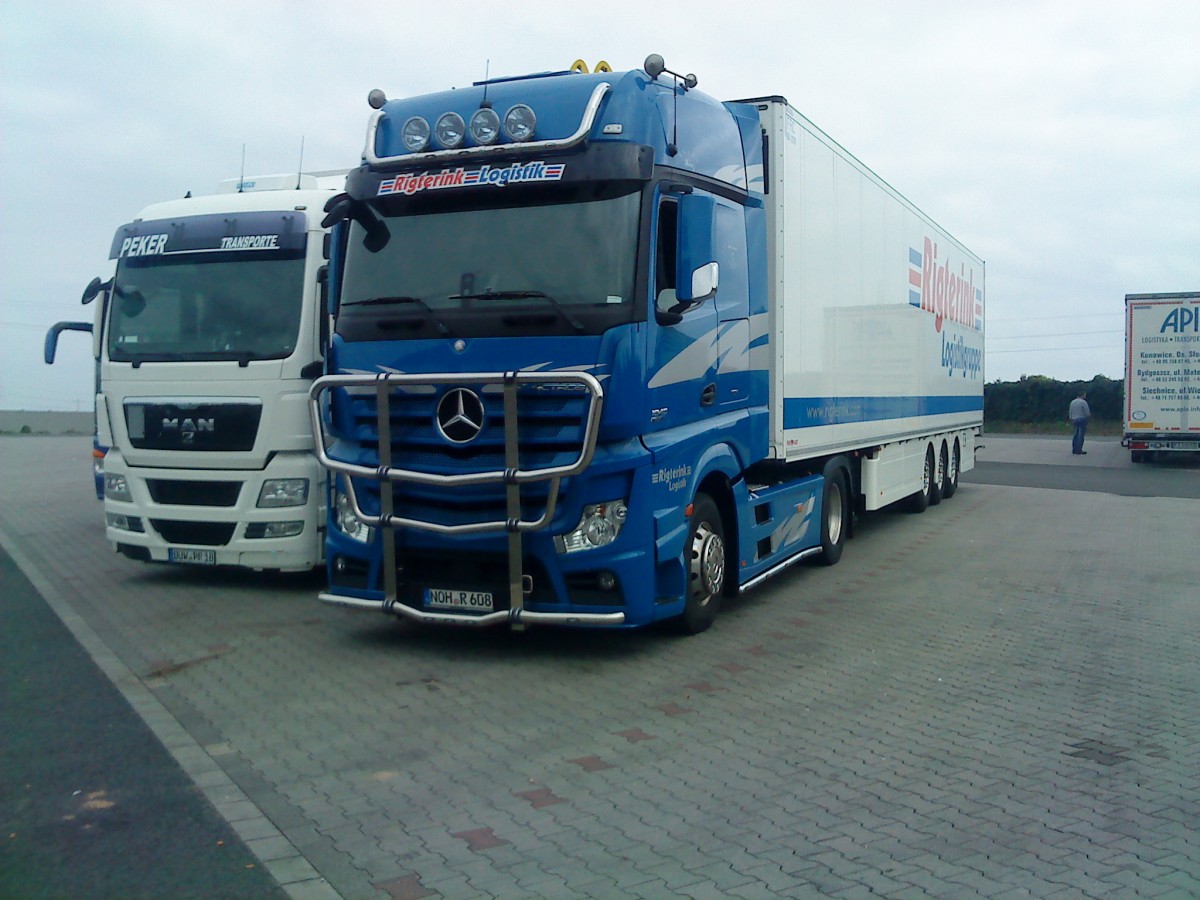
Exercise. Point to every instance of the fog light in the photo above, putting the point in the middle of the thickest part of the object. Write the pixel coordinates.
(274, 529)
(606, 580)
(123, 522)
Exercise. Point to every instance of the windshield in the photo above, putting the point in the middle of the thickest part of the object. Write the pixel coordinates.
(548, 268)
(243, 306)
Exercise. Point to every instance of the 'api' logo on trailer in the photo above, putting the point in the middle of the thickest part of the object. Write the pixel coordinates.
(1182, 319)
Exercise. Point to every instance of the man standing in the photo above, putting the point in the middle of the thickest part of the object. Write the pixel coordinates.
(1079, 413)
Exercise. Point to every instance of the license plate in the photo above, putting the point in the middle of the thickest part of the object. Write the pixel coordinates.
(196, 557)
(462, 601)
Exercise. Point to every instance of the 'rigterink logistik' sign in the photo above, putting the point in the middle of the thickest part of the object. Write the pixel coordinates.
(949, 296)
(480, 176)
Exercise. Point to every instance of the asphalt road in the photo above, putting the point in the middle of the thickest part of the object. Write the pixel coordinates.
(998, 697)
(1039, 462)
(91, 803)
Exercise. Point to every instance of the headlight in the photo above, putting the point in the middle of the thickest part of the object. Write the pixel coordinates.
(345, 520)
(520, 122)
(450, 130)
(485, 126)
(414, 134)
(277, 492)
(116, 487)
(598, 527)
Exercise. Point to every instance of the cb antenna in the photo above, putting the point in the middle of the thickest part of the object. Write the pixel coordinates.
(242, 177)
(487, 73)
(300, 167)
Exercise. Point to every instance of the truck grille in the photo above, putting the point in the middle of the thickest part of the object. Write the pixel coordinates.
(204, 534)
(195, 426)
(194, 493)
(550, 427)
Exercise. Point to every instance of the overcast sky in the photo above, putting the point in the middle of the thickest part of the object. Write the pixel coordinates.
(1060, 141)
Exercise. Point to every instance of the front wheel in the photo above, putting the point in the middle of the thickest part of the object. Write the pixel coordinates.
(835, 516)
(704, 566)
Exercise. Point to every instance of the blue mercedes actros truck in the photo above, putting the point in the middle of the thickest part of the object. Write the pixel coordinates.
(605, 350)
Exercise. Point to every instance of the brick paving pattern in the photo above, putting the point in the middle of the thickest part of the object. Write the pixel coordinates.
(996, 698)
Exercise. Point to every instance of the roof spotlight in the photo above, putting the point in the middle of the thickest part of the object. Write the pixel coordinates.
(450, 130)
(414, 134)
(485, 126)
(520, 122)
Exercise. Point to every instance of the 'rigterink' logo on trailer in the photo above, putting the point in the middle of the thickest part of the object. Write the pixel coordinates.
(936, 289)
(484, 176)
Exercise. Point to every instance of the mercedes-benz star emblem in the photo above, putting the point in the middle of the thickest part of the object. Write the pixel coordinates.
(460, 415)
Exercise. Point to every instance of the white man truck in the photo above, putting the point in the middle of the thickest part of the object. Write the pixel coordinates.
(606, 349)
(1162, 375)
(212, 332)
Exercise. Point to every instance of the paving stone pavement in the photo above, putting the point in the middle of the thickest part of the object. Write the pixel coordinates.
(996, 698)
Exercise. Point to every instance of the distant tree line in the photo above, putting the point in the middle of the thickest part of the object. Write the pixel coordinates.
(1037, 399)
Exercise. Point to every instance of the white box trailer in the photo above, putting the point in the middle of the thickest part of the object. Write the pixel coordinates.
(1162, 374)
(876, 315)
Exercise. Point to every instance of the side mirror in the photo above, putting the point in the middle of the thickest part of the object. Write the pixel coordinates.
(95, 286)
(51, 345)
(695, 265)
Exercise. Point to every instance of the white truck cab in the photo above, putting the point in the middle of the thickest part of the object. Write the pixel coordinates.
(211, 337)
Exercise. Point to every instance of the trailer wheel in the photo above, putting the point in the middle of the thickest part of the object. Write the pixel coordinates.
(835, 515)
(939, 475)
(921, 500)
(950, 483)
(704, 565)
(1137, 456)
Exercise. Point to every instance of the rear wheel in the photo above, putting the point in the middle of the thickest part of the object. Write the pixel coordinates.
(920, 501)
(950, 482)
(939, 476)
(704, 566)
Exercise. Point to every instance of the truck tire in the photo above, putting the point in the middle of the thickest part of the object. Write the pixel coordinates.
(835, 515)
(939, 474)
(921, 500)
(704, 566)
(950, 483)
(1137, 456)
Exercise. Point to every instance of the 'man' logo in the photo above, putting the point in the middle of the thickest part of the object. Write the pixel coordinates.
(1182, 319)
(187, 429)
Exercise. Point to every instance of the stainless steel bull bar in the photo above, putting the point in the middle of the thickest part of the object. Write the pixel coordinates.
(512, 476)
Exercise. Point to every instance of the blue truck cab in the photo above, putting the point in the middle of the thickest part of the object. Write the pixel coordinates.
(561, 384)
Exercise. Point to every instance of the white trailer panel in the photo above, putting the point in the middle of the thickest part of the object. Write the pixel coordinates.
(1162, 368)
(877, 312)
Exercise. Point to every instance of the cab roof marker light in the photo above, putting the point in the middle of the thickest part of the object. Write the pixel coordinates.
(585, 127)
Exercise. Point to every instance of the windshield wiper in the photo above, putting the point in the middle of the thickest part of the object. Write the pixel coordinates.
(523, 295)
(442, 327)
